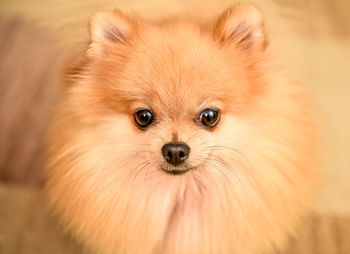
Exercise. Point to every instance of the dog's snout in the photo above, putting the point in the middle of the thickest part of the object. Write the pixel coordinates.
(175, 153)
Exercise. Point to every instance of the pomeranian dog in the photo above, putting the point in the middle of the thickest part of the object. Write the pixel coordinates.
(181, 138)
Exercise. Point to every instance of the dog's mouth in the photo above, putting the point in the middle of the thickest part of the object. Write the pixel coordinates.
(175, 171)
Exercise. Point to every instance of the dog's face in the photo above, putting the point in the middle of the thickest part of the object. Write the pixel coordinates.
(179, 136)
(176, 90)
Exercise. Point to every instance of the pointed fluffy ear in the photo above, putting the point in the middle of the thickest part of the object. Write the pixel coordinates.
(108, 28)
(242, 26)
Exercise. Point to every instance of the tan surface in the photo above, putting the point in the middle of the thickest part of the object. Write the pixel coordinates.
(25, 226)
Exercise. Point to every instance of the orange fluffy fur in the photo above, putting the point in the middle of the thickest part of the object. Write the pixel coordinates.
(254, 172)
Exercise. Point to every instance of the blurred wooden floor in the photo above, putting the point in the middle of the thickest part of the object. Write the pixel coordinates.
(29, 75)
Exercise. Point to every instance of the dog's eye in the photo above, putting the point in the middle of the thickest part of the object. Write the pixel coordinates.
(143, 118)
(209, 117)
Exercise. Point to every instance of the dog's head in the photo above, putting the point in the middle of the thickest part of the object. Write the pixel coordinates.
(173, 92)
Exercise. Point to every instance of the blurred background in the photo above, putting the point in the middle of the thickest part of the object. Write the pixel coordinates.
(40, 39)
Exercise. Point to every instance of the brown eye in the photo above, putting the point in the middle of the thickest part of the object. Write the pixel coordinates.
(143, 118)
(209, 117)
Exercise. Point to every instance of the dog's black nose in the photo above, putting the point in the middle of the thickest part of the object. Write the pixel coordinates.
(175, 153)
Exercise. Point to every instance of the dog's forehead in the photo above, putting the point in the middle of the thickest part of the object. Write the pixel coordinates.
(181, 67)
(176, 71)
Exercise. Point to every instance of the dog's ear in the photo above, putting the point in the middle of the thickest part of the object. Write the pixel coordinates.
(109, 28)
(243, 27)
